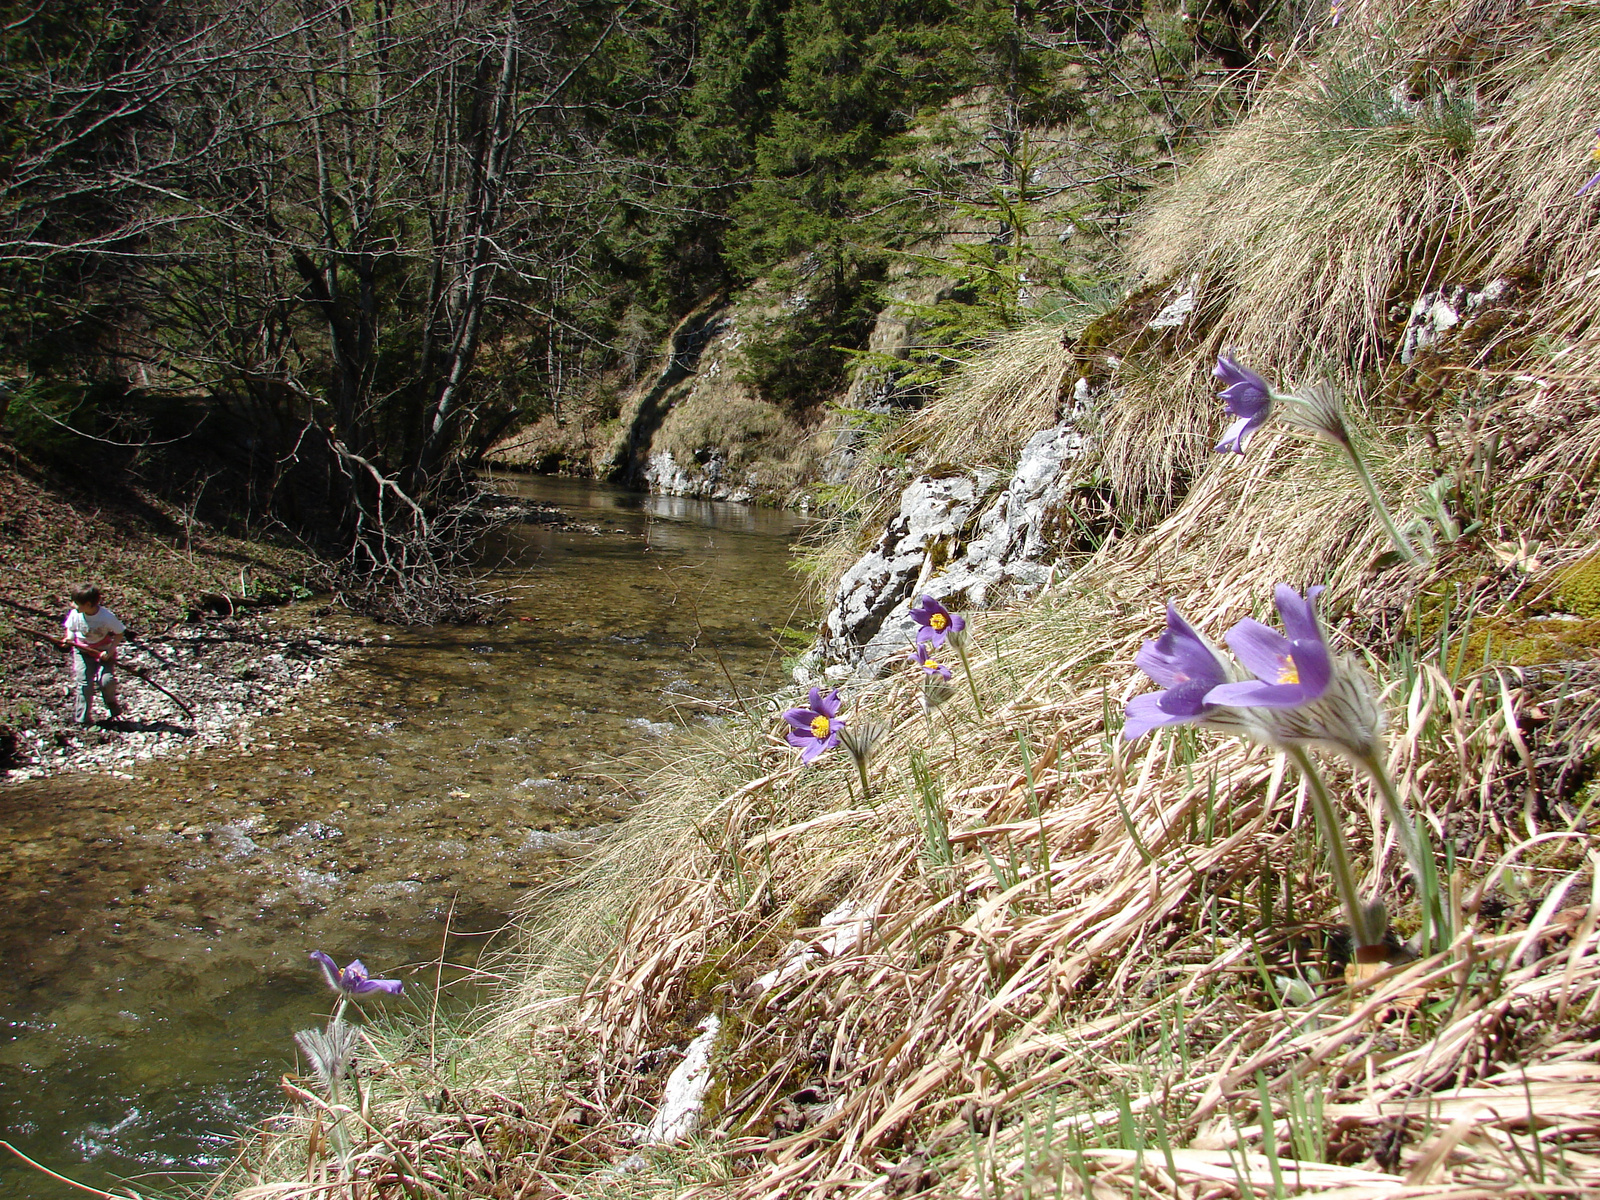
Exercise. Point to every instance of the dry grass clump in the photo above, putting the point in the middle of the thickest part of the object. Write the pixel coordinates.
(993, 405)
(1153, 435)
(1427, 144)
(1551, 428)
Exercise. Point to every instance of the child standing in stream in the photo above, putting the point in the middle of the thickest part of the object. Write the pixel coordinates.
(92, 637)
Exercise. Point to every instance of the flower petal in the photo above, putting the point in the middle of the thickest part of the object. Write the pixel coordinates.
(1298, 615)
(827, 706)
(1314, 665)
(330, 970)
(367, 986)
(1187, 701)
(1255, 694)
(1234, 437)
(801, 718)
(1180, 655)
(1265, 652)
(1246, 393)
(1144, 713)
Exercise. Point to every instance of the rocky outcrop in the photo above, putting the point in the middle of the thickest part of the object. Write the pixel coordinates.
(707, 479)
(955, 538)
(1447, 312)
(875, 386)
(701, 429)
(934, 521)
(656, 397)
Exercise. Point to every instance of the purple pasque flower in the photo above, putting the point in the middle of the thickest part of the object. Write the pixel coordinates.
(1292, 668)
(937, 622)
(1248, 397)
(1187, 667)
(353, 981)
(922, 656)
(816, 729)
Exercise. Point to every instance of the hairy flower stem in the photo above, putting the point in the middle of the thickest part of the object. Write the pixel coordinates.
(955, 737)
(1378, 506)
(1396, 813)
(927, 717)
(1366, 921)
(1424, 872)
(966, 669)
(861, 766)
(337, 1134)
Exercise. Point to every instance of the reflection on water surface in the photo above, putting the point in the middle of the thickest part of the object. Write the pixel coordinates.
(156, 929)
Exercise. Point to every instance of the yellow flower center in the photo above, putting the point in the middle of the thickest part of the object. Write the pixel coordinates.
(1595, 153)
(931, 665)
(1288, 673)
(937, 622)
(819, 727)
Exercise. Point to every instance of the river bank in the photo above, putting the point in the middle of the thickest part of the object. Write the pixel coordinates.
(230, 626)
(230, 673)
(200, 601)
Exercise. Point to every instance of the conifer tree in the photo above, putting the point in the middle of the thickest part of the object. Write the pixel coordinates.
(826, 204)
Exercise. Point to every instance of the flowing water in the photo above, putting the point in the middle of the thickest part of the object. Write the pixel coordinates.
(155, 929)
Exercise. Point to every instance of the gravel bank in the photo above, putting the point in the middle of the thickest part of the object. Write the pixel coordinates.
(229, 670)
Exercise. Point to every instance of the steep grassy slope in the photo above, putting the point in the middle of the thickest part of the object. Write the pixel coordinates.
(1038, 959)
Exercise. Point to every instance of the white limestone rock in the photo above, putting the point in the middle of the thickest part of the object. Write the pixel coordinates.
(663, 474)
(685, 1095)
(935, 512)
(934, 547)
(1435, 314)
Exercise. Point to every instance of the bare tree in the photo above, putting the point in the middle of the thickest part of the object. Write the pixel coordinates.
(315, 212)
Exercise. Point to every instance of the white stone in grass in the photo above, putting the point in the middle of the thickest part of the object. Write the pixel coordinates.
(1175, 313)
(846, 921)
(685, 1095)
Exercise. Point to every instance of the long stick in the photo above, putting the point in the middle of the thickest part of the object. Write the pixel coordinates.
(140, 672)
(39, 612)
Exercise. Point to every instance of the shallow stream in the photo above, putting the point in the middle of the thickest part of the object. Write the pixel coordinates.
(155, 929)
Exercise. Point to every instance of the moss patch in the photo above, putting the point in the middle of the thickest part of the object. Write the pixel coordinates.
(1560, 624)
(1576, 588)
(1535, 641)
